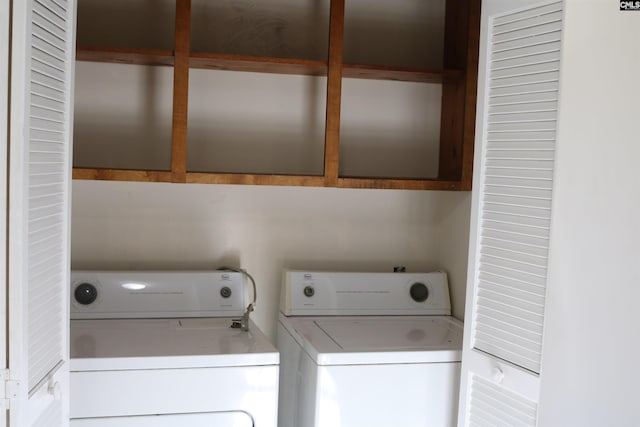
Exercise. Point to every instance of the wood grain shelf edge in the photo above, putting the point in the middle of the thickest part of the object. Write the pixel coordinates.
(406, 74)
(265, 179)
(255, 179)
(124, 56)
(211, 61)
(121, 175)
(401, 184)
(257, 64)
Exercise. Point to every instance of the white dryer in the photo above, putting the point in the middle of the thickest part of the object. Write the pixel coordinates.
(368, 350)
(157, 349)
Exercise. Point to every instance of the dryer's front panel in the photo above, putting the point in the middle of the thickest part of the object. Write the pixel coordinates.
(209, 419)
(134, 393)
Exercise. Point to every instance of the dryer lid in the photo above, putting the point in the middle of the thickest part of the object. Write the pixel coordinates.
(349, 340)
(123, 344)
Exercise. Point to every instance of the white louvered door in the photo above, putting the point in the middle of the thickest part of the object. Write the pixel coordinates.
(511, 211)
(4, 125)
(40, 119)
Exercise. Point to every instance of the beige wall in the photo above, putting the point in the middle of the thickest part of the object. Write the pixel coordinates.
(265, 229)
(589, 374)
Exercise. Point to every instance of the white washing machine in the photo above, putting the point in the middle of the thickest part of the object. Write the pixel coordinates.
(368, 350)
(157, 349)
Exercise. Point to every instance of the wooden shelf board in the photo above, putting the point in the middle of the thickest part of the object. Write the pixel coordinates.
(402, 184)
(124, 56)
(320, 181)
(259, 179)
(255, 179)
(381, 72)
(122, 175)
(319, 68)
(258, 64)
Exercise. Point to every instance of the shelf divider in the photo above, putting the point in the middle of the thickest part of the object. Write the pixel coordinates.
(462, 24)
(181, 91)
(334, 93)
(473, 48)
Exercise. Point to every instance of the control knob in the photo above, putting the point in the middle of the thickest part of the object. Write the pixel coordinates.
(85, 293)
(419, 292)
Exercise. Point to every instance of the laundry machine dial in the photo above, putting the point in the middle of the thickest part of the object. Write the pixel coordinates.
(419, 292)
(85, 293)
(309, 291)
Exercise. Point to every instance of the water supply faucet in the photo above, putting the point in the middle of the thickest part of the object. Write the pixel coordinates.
(243, 322)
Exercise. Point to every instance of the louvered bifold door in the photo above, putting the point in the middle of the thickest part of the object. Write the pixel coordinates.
(42, 65)
(4, 128)
(512, 212)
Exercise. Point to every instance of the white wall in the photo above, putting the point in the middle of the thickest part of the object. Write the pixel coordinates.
(265, 229)
(590, 374)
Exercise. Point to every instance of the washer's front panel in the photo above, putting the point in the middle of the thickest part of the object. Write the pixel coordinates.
(227, 419)
(385, 395)
(251, 389)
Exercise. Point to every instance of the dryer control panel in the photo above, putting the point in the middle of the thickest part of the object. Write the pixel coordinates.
(159, 294)
(322, 293)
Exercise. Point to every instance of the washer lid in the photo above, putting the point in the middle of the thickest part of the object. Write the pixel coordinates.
(374, 339)
(110, 344)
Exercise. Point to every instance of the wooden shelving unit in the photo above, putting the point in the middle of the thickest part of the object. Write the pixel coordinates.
(458, 80)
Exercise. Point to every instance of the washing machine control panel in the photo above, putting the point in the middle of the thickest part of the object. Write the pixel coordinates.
(148, 294)
(317, 293)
